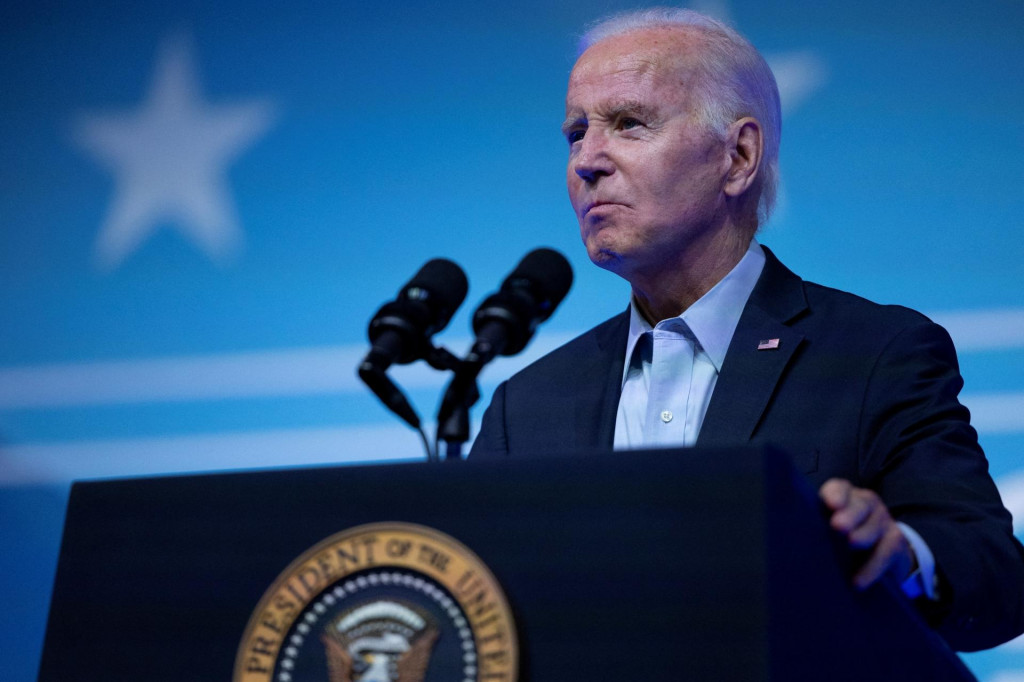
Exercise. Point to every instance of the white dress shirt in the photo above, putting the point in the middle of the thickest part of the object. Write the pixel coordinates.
(671, 369)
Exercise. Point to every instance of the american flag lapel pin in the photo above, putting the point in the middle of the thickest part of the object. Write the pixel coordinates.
(768, 344)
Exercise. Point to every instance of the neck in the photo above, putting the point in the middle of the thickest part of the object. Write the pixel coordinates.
(670, 291)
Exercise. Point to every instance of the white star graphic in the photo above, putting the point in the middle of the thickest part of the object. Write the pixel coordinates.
(169, 157)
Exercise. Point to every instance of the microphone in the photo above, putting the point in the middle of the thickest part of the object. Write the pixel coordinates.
(401, 330)
(506, 321)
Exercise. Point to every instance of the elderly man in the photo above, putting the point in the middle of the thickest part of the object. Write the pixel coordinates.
(673, 122)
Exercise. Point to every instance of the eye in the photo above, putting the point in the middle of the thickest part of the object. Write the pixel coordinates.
(574, 136)
(628, 123)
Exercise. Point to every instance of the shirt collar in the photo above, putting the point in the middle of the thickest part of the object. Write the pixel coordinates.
(714, 316)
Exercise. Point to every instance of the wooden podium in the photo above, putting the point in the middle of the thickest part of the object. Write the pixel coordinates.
(650, 565)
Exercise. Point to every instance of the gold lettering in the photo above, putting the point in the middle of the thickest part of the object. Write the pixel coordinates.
(345, 558)
(326, 566)
(310, 579)
(295, 593)
(285, 606)
(359, 552)
(478, 605)
(479, 611)
(493, 662)
(254, 665)
(494, 665)
(494, 617)
(271, 622)
(368, 542)
(462, 584)
(429, 555)
(396, 548)
(263, 646)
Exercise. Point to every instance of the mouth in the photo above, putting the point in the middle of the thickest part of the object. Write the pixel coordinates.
(597, 204)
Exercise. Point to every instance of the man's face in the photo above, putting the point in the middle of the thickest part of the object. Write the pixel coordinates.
(644, 177)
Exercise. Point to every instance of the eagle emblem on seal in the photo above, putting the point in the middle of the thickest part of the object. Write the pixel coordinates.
(380, 641)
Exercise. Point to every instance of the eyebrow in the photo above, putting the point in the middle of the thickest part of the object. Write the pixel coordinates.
(612, 111)
(631, 106)
(573, 121)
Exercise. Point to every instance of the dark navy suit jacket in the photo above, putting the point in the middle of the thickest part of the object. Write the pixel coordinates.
(855, 390)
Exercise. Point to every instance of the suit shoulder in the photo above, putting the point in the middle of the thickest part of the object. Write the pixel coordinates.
(816, 308)
(844, 308)
(838, 319)
(605, 340)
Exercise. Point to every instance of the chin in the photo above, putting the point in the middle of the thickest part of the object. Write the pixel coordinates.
(605, 258)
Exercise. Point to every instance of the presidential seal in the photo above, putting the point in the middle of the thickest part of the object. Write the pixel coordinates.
(384, 602)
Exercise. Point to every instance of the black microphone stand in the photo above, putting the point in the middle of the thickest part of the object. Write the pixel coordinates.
(453, 415)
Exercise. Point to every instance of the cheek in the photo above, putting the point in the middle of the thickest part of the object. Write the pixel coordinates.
(572, 184)
(663, 182)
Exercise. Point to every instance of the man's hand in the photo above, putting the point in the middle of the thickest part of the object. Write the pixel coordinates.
(863, 518)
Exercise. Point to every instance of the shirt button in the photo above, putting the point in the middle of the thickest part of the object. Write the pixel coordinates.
(666, 416)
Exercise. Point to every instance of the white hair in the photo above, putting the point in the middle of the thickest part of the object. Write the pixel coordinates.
(733, 81)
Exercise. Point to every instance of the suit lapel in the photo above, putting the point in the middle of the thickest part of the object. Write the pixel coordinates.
(599, 384)
(750, 375)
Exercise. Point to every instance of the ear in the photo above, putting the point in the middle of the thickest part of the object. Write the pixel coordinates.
(746, 147)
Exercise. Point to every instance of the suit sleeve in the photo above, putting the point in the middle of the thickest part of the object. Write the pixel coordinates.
(920, 453)
(492, 441)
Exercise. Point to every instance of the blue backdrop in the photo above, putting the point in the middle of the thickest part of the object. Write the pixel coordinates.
(202, 204)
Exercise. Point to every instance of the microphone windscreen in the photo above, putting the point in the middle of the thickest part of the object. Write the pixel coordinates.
(548, 276)
(442, 286)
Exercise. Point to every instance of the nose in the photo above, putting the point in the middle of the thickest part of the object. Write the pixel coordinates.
(591, 160)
